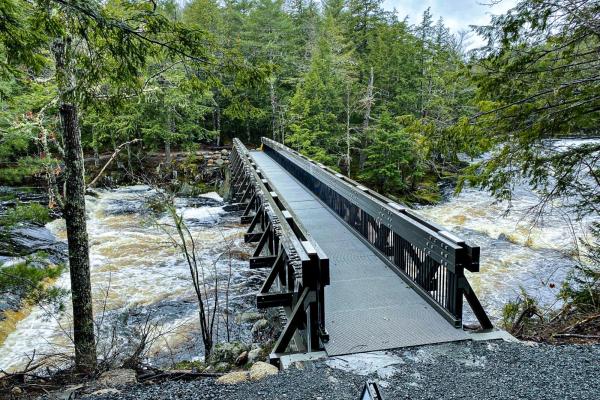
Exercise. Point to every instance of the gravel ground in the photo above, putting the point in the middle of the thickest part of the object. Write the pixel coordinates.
(484, 370)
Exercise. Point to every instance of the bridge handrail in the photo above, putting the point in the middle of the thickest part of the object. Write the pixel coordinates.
(415, 247)
(292, 254)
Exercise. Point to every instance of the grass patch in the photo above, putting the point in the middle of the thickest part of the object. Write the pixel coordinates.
(190, 365)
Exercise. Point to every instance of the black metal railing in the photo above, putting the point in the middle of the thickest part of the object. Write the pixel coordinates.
(299, 269)
(426, 256)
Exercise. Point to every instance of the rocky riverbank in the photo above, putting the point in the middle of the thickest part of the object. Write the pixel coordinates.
(486, 370)
(203, 168)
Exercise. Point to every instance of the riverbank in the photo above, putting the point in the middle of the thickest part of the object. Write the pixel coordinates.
(486, 370)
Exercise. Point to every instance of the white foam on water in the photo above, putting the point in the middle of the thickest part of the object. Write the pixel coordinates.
(132, 257)
(212, 195)
(36, 331)
(518, 247)
(204, 214)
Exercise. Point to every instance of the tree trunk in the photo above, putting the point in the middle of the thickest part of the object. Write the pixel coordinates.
(368, 106)
(348, 131)
(74, 212)
(168, 140)
(129, 164)
(368, 102)
(218, 125)
(96, 151)
(273, 97)
(79, 261)
(167, 152)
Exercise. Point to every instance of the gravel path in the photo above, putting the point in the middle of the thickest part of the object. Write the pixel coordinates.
(484, 370)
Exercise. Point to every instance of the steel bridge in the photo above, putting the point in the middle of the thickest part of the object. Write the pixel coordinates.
(353, 270)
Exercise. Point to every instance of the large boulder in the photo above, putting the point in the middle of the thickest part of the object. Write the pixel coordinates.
(233, 377)
(242, 359)
(246, 317)
(260, 326)
(28, 239)
(261, 370)
(254, 355)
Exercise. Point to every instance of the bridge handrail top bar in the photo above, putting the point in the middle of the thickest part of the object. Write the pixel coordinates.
(388, 204)
(314, 246)
(385, 201)
(284, 225)
(270, 194)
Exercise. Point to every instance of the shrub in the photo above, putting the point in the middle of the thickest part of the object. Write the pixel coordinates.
(27, 281)
(32, 212)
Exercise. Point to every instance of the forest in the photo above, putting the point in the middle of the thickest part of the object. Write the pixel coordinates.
(410, 109)
(346, 82)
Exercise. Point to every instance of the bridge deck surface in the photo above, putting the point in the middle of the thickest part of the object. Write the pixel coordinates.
(367, 305)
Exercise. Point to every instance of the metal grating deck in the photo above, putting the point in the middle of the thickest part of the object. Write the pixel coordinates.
(368, 307)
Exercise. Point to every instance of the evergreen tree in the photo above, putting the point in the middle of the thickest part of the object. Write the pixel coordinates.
(539, 81)
(317, 108)
(87, 40)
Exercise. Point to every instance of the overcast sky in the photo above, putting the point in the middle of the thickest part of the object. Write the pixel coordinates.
(457, 14)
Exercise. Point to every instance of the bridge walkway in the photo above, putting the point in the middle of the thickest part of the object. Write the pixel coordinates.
(368, 306)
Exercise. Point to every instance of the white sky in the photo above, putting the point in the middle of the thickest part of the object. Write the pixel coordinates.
(457, 14)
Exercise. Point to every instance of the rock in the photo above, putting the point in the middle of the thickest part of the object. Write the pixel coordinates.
(224, 152)
(16, 391)
(233, 377)
(254, 355)
(105, 391)
(261, 370)
(242, 359)
(248, 317)
(259, 326)
(118, 377)
(186, 189)
(220, 162)
(29, 239)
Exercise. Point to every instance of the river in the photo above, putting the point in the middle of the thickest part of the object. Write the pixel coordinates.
(518, 250)
(136, 271)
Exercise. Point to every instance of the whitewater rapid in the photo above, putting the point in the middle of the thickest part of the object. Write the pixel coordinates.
(135, 269)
